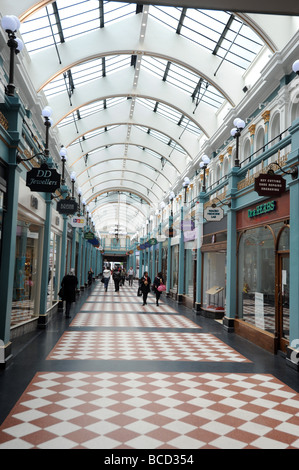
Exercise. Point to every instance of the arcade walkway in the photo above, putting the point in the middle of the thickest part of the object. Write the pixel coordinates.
(118, 375)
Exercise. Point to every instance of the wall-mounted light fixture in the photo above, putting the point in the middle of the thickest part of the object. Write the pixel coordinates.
(11, 24)
(205, 160)
(236, 132)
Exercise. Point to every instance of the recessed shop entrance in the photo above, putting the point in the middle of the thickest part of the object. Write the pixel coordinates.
(282, 293)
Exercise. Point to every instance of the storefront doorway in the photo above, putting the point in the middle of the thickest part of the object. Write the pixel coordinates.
(283, 317)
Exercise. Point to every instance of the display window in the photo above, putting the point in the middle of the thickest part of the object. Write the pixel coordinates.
(26, 285)
(263, 263)
(1, 218)
(214, 281)
(189, 271)
(174, 267)
(53, 270)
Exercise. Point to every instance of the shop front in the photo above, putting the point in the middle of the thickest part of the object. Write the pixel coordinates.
(213, 252)
(263, 273)
(3, 190)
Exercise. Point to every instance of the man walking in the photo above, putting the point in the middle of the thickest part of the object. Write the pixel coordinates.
(131, 275)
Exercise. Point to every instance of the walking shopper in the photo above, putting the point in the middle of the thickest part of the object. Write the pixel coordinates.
(158, 281)
(89, 277)
(123, 276)
(106, 277)
(145, 284)
(116, 278)
(69, 285)
(131, 275)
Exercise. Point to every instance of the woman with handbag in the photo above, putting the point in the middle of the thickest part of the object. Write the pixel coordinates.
(159, 287)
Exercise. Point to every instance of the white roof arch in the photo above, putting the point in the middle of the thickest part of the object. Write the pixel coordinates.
(159, 76)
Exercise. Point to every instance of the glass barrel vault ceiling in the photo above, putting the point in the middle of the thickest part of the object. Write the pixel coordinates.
(219, 33)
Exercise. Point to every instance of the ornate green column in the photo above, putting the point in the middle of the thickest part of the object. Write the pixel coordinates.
(199, 228)
(181, 259)
(293, 159)
(231, 258)
(43, 317)
(14, 112)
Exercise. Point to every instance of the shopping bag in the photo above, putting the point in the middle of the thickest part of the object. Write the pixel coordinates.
(161, 288)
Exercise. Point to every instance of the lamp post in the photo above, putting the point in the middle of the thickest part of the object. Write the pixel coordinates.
(203, 165)
(11, 24)
(185, 186)
(63, 157)
(79, 199)
(73, 180)
(46, 113)
(236, 132)
(171, 198)
(295, 67)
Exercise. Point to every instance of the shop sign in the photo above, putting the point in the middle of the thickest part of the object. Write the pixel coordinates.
(269, 185)
(170, 232)
(213, 214)
(88, 236)
(78, 222)
(43, 179)
(67, 206)
(262, 209)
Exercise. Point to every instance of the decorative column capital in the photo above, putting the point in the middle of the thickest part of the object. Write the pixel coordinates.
(266, 116)
(252, 129)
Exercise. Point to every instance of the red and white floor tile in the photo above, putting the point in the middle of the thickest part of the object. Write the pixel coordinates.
(143, 409)
(132, 320)
(132, 345)
(153, 410)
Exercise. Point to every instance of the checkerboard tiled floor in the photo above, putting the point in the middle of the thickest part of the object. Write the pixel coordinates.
(132, 410)
(143, 346)
(154, 408)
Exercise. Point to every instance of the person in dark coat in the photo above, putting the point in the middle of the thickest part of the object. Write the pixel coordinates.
(145, 285)
(157, 282)
(116, 278)
(69, 284)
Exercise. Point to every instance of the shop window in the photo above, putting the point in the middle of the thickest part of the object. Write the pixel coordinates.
(53, 271)
(214, 281)
(26, 285)
(189, 272)
(1, 217)
(284, 239)
(256, 278)
(164, 262)
(174, 267)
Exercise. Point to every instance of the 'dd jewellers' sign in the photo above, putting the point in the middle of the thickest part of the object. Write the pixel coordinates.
(67, 206)
(43, 179)
(269, 185)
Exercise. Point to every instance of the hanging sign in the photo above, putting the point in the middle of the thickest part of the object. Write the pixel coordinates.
(67, 206)
(269, 185)
(77, 221)
(213, 214)
(88, 236)
(170, 232)
(43, 179)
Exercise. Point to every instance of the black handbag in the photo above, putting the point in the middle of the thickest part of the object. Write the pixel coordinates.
(139, 292)
(61, 293)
